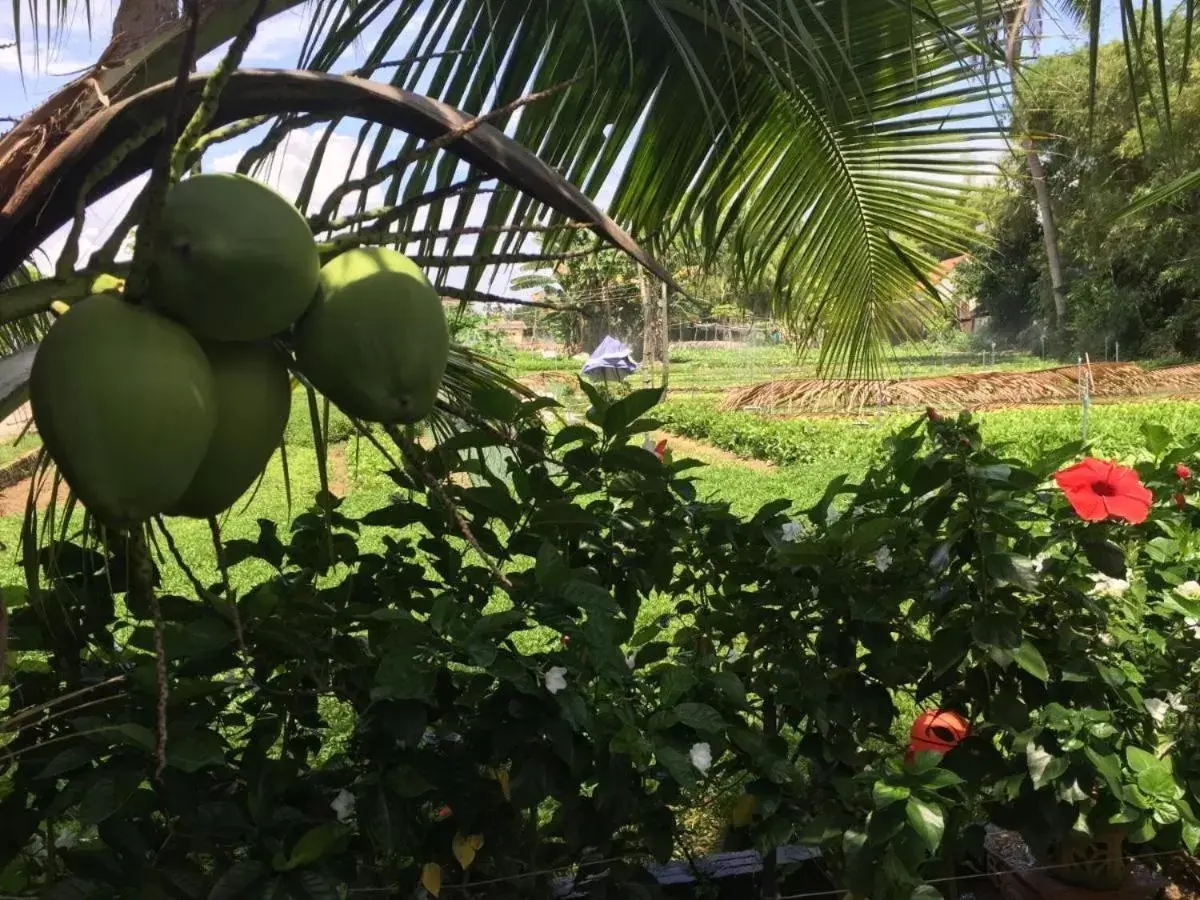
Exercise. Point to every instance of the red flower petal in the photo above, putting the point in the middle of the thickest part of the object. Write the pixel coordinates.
(1131, 509)
(1082, 475)
(1097, 489)
(1088, 505)
(1183, 472)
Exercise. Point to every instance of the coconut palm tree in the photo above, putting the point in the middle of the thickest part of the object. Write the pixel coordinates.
(828, 139)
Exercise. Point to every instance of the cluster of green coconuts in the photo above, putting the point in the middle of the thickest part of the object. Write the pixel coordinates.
(174, 406)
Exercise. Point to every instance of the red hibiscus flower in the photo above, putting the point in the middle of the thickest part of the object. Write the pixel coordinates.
(660, 449)
(1183, 472)
(1099, 489)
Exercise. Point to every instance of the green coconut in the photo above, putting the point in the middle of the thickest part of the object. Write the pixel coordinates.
(375, 340)
(254, 396)
(124, 401)
(233, 260)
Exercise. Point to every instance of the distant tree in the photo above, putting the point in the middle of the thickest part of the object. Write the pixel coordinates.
(1134, 279)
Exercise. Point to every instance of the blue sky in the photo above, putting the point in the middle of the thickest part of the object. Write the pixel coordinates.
(48, 63)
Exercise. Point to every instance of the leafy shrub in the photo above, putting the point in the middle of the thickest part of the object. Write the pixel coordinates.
(536, 661)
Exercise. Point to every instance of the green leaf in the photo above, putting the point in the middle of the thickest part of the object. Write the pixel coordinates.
(405, 781)
(1106, 556)
(1191, 836)
(237, 880)
(700, 716)
(194, 750)
(926, 892)
(1139, 760)
(67, 760)
(316, 843)
(106, 795)
(927, 820)
(676, 681)
(884, 794)
(1157, 782)
(1044, 767)
(1158, 437)
(562, 512)
(1029, 658)
(629, 409)
(678, 765)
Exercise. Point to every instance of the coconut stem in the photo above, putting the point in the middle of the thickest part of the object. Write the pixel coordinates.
(141, 585)
(182, 150)
(160, 174)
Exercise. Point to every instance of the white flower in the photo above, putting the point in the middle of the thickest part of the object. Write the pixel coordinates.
(1039, 563)
(791, 531)
(1193, 624)
(1107, 586)
(66, 839)
(631, 660)
(1189, 589)
(701, 756)
(1175, 701)
(883, 558)
(1106, 639)
(343, 805)
(1157, 709)
(555, 679)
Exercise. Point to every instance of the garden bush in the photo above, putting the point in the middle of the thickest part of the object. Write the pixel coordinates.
(539, 670)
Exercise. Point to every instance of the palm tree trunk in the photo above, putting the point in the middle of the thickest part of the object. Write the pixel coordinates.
(664, 335)
(649, 321)
(1037, 174)
(137, 21)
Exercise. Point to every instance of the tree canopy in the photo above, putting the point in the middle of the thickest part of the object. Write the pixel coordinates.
(1133, 276)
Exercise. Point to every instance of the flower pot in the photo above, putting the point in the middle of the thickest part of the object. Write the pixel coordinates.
(1095, 861)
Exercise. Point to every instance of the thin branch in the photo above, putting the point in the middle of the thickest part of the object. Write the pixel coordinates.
(214, 528)
(480, 297)
(173, 549)
(402, 162)
(386, 214)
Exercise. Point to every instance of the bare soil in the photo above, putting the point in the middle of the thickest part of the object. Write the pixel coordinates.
(706, 453)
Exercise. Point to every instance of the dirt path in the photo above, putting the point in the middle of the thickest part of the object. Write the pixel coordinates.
(707, 453)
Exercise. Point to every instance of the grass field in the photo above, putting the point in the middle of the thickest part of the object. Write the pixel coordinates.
(697, 369)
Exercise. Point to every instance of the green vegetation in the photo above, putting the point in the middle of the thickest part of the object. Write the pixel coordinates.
(812, 452)
(1131, 279)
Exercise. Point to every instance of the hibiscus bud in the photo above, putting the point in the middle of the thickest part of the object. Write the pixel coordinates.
(1180, 501)
(933, 414)
(444, 813)
(1183, 472)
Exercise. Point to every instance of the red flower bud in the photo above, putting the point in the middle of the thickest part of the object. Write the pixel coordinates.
(566, 640)
(1180, 501)
(933, 414)
(1183, 472)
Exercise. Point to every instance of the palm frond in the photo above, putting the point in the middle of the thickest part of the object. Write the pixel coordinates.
(785, 130)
